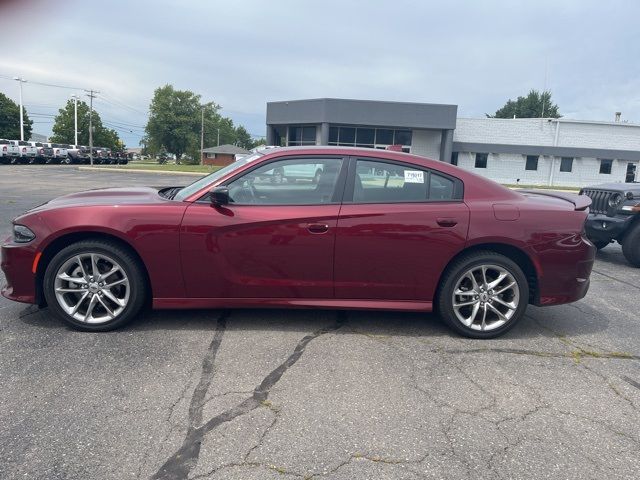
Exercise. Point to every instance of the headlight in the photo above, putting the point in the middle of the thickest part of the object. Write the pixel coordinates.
(22, 234)
(615, 200)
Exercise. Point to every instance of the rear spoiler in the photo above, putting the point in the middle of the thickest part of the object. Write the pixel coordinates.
(580, 202)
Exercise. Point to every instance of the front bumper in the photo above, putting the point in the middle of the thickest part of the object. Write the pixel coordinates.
(603, 228)
(17, 263)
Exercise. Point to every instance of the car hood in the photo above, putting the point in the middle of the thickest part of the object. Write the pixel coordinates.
(105, 196)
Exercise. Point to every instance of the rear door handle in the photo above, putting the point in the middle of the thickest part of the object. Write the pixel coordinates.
(447, 221)
(318, 228)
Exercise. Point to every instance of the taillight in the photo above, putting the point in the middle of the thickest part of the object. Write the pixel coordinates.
(4, 149)
(41, 151)
(57, 152)
(24, 149)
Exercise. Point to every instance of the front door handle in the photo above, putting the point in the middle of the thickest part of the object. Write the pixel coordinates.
(318, 228)
(447, 221)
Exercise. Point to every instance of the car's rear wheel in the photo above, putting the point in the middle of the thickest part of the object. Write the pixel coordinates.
(483, 295)
(631, 246)
(94, 285)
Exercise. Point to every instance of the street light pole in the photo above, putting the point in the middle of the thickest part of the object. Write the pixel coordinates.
(75, 115)
(21, 81)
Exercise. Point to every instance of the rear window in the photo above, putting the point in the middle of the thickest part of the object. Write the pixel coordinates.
(22, 142)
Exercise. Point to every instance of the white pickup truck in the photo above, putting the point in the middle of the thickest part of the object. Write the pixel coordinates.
(59, 153)
(8, 151)
(27, 151)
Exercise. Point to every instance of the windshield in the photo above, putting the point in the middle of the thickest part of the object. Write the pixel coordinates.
(212, 177)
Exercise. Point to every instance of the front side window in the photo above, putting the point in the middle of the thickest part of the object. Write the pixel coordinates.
(605, 166)
(481, 160)
(382, 182)
(566, 164)
(300, 181)
(532, 162)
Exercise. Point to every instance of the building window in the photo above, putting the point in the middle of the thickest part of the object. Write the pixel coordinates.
(302, 136)
(566, 164)
(384, 136)
(605, 165)
(454, 158)
(532, 162)
(365, 137)
(481, 160)
(369, 137)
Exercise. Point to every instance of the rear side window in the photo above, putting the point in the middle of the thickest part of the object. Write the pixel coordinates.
(382, 182)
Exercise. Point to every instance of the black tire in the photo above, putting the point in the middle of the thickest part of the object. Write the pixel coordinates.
(123, 257)
(600, 244)
(631, 245)
(456, 271)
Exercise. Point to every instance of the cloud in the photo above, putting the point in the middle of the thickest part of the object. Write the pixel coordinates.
(245, 53)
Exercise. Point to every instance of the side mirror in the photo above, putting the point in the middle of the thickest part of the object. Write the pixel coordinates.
(219, 196)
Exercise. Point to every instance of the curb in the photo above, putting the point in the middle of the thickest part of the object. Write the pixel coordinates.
(136, 170)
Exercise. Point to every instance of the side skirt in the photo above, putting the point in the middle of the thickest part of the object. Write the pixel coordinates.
(179, 303)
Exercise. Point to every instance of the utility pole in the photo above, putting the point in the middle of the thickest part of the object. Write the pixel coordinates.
(202, 138)
(75, 115)
(21, 81)
(91, 95)
(218, 142)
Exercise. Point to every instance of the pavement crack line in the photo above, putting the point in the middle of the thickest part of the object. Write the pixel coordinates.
(616, 279)
(179, 465)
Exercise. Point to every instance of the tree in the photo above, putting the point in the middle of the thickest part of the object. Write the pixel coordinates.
(10, 119)
(64, 125)
(174, 121)
(534, 105)
(243, 139)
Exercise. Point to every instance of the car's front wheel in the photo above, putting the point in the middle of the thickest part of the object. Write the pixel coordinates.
(94, 285)
(483, 295)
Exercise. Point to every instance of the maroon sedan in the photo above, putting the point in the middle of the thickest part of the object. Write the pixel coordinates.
(306, 227)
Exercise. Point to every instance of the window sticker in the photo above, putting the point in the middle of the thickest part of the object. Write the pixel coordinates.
(413, 176)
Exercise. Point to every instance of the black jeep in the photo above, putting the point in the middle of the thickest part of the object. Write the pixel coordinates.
(615, 215)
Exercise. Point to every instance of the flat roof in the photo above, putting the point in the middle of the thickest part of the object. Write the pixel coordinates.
(362, 112)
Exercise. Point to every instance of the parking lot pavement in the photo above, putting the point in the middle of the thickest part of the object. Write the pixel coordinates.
(260, 394)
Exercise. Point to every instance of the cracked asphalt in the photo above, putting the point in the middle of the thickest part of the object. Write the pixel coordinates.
(316, 394)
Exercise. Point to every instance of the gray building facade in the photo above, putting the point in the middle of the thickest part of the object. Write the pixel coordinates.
(422, 128)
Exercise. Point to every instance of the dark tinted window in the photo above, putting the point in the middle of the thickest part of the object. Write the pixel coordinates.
(532, 162)
(481, 160)
(347, 135)
(454, 158)
(384, 136)
(402, 137)
(365, 136)
(566, 164)
(605, 165)
(333, 135)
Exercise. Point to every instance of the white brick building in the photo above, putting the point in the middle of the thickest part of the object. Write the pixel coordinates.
(527, 151)
(533, 151)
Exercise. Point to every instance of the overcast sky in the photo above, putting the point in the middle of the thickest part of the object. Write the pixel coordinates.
(242, 54)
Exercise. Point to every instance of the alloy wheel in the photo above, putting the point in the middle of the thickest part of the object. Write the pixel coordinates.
(92, 288)
(485, 297)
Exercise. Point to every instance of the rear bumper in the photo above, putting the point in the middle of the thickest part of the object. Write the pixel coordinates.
(17, 262)
(565, 270)
(603, 228)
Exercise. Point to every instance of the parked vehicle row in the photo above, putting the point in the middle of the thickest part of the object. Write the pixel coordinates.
(23, 152)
